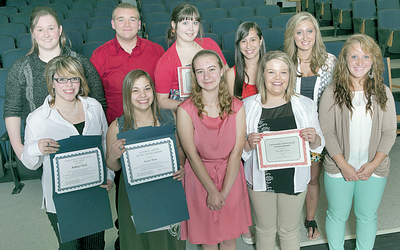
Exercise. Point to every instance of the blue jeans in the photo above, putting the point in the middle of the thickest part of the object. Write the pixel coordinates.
(367, 197)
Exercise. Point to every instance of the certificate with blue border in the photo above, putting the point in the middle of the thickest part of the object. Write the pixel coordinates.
(150, 160)
(78, 170)
(155, 198)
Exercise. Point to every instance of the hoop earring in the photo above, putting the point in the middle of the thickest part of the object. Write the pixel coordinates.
(370, 73)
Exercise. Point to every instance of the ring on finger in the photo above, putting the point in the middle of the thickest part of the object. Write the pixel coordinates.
(120, 148)
(48, 144)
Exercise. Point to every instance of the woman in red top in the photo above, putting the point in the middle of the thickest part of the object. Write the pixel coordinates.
(185, 26)
(249, 49)
(241, 78)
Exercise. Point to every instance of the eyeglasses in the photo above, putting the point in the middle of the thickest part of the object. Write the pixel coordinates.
(64, 80)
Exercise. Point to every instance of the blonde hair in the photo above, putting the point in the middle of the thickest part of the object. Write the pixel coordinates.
(319, 55)
(225, 99)
(66, 66)
(37, 13)
(282, 56)
(125, 6)
(343, 93)
(127, 86)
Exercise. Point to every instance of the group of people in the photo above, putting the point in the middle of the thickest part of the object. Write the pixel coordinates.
(341, 106)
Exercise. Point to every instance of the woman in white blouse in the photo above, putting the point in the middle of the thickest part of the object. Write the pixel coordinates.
(66, 111)
(278, 195)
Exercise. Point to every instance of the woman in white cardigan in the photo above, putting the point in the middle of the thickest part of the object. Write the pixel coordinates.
(278, 195)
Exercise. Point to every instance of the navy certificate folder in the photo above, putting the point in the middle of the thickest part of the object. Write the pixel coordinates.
(156, 203)
(82, 212)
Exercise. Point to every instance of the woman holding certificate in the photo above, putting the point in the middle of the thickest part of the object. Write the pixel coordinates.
(172, 73)
(278, 195)
(249, 49)
(140, 110)
(66, 111)
(211, 127)
(314, 69)
(358, 119)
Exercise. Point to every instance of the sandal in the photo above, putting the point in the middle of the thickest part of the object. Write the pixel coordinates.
(313, 225)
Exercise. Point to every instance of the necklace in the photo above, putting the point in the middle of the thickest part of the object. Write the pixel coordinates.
(66, 115)
(308, 60)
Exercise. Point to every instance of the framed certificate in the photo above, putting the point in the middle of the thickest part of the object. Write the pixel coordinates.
(150, 160)
(78, 170)
(185, 81)
(283, 149)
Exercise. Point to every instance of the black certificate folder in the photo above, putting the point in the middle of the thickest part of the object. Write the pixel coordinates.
(78, 169)
(156, 199)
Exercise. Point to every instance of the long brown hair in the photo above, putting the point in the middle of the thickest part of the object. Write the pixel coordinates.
(37, 13)
(374, 86)
(183, 12)
(225, 99)
(127, 86)
(240, 65)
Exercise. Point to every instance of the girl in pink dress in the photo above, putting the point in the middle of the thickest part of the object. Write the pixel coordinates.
(211, 127)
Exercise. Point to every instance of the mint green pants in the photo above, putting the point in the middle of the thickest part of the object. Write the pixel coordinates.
(367, 196)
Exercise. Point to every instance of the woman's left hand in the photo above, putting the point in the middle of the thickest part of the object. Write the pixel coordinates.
(366, 171)
(308, 134)
(179, 174)
(108, 186)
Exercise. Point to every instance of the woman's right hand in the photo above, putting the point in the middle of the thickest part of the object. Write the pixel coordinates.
(253, 139)
(215, 201)
(349, 173)
(48, 146)
(117, 149)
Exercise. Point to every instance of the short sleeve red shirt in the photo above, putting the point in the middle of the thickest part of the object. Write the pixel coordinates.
(113, 63)
(166, 73)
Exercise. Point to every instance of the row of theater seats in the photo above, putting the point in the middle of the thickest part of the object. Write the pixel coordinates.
(205, 4)
(379, 19)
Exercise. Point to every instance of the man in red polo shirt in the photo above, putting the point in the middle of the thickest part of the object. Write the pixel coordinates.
(126, 52)
(117, 57)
